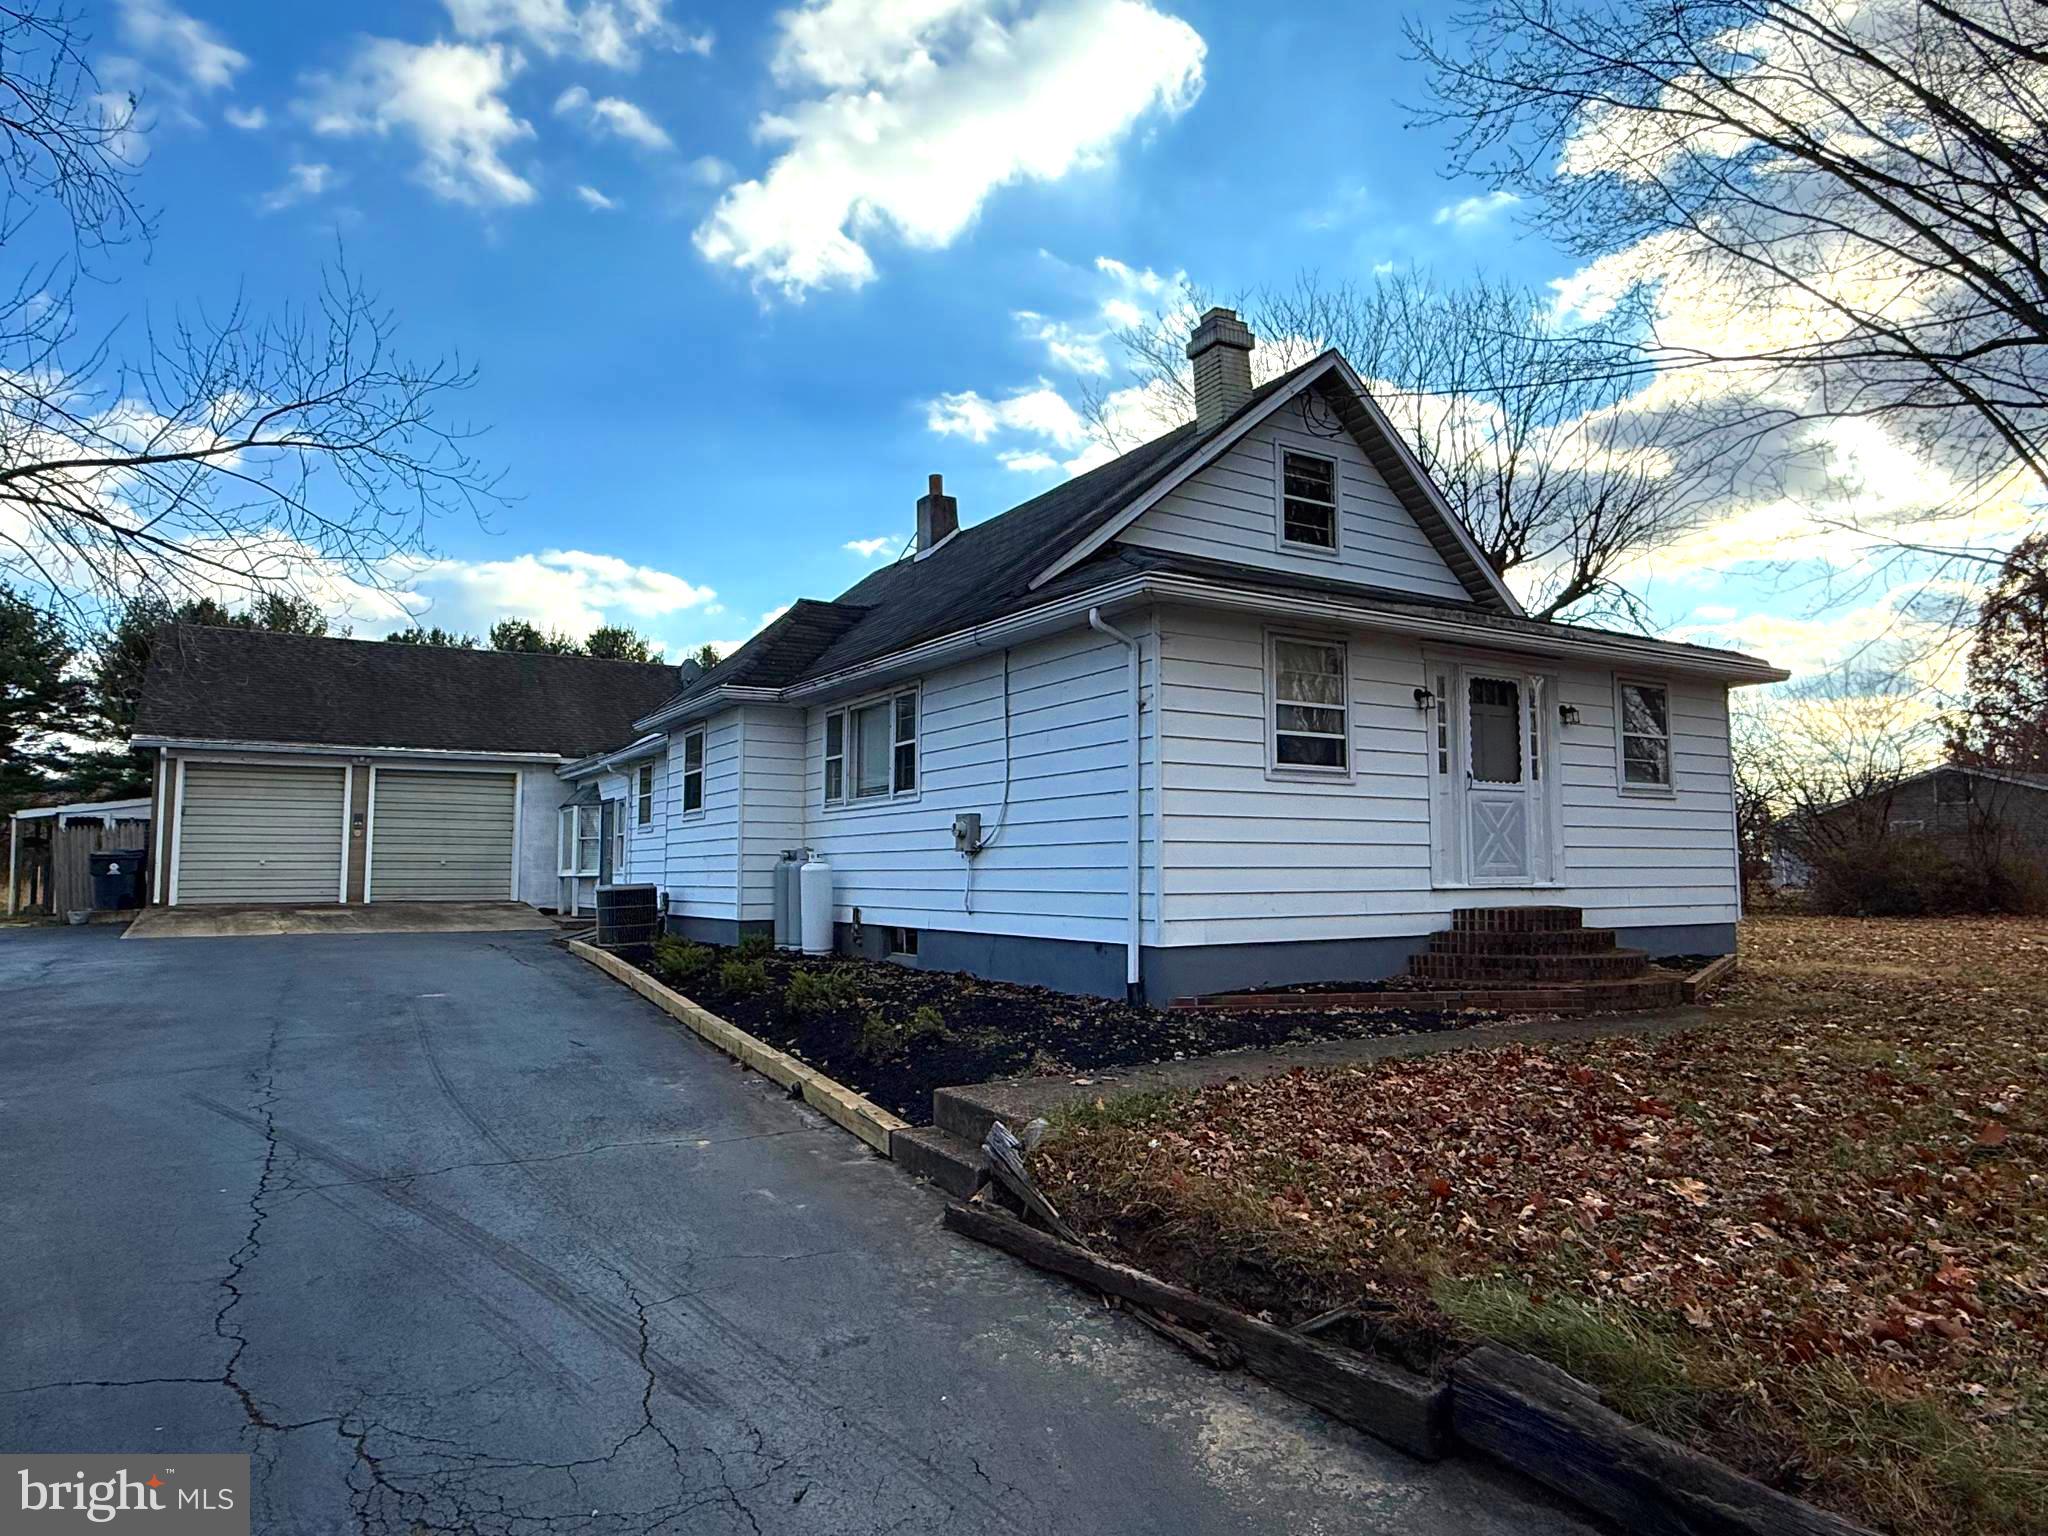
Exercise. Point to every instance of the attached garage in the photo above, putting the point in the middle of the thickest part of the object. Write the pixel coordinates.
(259, 832)
(442, 836)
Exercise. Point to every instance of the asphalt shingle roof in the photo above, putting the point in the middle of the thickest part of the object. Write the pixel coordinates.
(256, 685)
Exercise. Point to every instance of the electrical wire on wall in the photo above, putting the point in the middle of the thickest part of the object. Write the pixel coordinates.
(1310, 406)
(1003, 809)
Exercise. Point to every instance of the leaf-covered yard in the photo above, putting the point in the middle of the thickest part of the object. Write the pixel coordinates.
(1811, 1238)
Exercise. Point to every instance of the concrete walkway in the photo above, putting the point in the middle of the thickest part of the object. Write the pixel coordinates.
(380, 917)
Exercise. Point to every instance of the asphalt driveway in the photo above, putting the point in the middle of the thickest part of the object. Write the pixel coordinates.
(453, 1233)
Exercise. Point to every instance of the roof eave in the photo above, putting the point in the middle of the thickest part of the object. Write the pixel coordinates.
(692, 706)
(599, 762)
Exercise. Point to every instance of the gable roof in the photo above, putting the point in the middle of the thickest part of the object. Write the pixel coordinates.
(208, 684)
(1061, 540)
(1340, 386)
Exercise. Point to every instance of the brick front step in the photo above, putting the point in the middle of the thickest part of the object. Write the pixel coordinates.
(1516, 919)
(1530, 997)
(1613, 965)
(1545, 941)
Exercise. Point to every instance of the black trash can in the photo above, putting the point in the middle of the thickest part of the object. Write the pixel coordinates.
(117, 879)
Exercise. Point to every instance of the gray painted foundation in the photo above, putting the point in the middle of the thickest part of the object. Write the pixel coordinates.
(714, 930)
(1069, 965)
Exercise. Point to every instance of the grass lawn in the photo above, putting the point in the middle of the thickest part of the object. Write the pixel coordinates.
(1810, 1238)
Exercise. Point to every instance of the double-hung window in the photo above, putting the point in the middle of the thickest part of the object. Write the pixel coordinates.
(1308, 501)
(618, 842)
(693, 772)
(1311, 720)
(643, 797)
(1642, 713)
(579, 839)
(871, 749)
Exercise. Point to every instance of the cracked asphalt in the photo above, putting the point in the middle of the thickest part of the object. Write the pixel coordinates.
(451, 1233)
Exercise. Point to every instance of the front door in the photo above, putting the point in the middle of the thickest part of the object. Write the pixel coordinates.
(1500, 821)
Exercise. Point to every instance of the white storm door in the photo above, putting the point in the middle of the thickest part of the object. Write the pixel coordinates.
(1500, 804)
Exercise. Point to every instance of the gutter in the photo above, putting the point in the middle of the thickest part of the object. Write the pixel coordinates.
(1166, 587)
(696, 704)
(1132, 958)
(329, 749)
(583, 767)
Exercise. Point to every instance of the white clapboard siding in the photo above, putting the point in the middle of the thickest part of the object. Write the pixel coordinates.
(1250, 858)
(701, 864)
(1058, 864)
(771, 801)
(1230, 511)
(442, 836)
(257, 832)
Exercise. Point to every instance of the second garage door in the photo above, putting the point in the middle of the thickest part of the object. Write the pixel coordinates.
(441, 836)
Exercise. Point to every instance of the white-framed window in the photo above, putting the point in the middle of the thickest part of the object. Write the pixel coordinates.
(693, 772)
(579, 840)
(1642, 720)
(643, 796)
(871, 749)
(1906, 828)
(1308, 502)
(619, 842)
(1309, 691)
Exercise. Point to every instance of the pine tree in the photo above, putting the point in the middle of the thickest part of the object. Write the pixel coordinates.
(42, 699)
(2006, 723)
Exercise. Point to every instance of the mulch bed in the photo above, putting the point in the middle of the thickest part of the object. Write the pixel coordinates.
(996, 1029)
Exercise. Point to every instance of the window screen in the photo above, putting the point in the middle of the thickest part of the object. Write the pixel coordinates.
(1645, 734)
(1496, 710)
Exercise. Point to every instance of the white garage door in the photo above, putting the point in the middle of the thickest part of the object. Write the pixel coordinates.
(257, 832)
(441, 836)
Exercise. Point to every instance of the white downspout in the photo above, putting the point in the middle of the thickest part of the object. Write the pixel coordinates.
(13, 854)
(1131, 962)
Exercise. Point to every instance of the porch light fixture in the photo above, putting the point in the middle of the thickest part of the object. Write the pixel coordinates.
(1567, 714)
(1424, 699)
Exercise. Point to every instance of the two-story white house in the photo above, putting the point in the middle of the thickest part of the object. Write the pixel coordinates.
(1246, 705)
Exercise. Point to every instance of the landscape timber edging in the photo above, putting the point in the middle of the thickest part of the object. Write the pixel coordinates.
(1512, 1408)
(1407, 1411)
(1713, 974)
(855, 1112)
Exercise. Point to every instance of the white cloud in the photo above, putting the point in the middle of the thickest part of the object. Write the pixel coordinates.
(1471, 211)
(610, 32)
(708, 171)
(1067, 345)
(906, 117)
(868, 549)
(304, 182)
(1041, 412)
(595, 199)
(446, 96)
(771, 616)
(248, 119)
(567, 589)
(162, 31)
(1027, 461)
(612, 115)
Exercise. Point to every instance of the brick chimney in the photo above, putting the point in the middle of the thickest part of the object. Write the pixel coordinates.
(1221, 350)
(938, 517)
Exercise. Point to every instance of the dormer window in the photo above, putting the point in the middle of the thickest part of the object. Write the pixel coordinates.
(1308, 502)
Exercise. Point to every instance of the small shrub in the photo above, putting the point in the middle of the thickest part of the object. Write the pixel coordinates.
(879, 1039)
(756, 946)
(812, 993)
(679, 962)
(743, 978)
(1904, 876)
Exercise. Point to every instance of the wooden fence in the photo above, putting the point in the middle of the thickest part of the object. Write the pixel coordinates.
(55, 876)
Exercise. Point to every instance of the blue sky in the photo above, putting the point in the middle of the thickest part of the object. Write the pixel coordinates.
(726, 271)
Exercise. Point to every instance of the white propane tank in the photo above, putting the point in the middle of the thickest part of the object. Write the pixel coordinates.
(814, 883)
